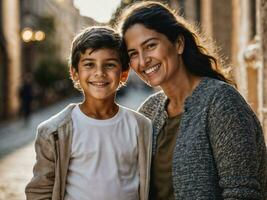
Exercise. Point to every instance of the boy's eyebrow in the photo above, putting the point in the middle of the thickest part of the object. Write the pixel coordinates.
(112, 59)
(108, 59)
(144, 42)
(87, 59)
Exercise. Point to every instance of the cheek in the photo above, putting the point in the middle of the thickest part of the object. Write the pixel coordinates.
(85, 74)
(161, 53)
(116, 75)
(134, 67)
(133, 63)
(171, 56)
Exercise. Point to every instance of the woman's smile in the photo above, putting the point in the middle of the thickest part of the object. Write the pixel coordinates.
(152, 69)
(152, 56)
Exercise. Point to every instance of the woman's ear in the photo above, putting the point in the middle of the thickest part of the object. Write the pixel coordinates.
(180, 44)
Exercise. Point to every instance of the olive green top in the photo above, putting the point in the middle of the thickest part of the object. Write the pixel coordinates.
(161, 171)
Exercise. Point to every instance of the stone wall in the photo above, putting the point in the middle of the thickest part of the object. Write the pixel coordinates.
(263, 32)
(11, 32)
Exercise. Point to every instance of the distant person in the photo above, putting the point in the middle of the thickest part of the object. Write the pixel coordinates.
(26, 96)
(207, 142)
(95, 149)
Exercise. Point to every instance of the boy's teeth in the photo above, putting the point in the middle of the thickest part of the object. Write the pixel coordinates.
(99, 84)
(152, 69)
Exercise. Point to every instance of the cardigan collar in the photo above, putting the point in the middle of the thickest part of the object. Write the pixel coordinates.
(189, 101)
(195, 96)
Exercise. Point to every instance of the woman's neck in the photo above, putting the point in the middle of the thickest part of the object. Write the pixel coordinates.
(177, 90)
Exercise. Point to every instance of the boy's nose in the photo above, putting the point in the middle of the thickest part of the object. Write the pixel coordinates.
(100, 71)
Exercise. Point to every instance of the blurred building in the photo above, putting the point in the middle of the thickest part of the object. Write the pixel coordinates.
(22, 31)
(10, 68)
(66, 19)
(239, 28)
(3, 65)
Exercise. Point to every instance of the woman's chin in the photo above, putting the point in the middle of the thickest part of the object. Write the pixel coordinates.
(152, 83)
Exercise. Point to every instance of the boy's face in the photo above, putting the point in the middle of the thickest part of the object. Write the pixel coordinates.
(99, 73)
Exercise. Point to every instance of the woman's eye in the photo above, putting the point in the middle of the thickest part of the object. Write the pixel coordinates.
(132, 55)
(151, 45)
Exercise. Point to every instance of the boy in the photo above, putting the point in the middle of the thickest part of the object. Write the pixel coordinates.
(96, 149)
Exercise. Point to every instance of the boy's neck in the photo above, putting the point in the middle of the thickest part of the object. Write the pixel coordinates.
(99, 110)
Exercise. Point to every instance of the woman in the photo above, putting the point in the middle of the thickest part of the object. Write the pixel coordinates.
(207, 143)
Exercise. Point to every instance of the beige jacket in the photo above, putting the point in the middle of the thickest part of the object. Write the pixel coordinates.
(53, 147)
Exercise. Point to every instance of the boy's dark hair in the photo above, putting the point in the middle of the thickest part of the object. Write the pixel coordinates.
(97, 37)
(159, 17)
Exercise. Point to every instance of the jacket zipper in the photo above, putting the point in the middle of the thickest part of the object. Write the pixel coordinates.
(58, 157)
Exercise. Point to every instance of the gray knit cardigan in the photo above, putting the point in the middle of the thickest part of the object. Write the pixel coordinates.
(220, 151)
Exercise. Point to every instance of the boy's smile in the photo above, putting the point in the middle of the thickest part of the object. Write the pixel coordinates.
(99, 74)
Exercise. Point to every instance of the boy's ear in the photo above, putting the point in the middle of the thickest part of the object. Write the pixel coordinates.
(124, 76)
(180, 44)
(74, 74)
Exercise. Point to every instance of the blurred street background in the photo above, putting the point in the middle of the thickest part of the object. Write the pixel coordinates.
(35, 38)
(17, 154)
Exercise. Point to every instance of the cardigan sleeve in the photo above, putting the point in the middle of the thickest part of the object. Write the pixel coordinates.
(41, 185)
(238, 146)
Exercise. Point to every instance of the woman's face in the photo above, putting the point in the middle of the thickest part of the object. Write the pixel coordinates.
(152, 56)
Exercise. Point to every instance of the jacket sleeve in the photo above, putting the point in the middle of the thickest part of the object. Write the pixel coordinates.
(144, 156)
(238, 146)
(41, 185)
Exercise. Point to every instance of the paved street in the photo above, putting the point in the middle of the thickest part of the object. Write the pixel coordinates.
(16, 145)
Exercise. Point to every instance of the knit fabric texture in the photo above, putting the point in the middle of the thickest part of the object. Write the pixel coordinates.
(220, 151)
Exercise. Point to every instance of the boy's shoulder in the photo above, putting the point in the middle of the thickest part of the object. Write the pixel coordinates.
(51, 125)
(138, 116)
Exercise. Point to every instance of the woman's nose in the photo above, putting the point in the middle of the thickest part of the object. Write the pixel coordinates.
(144, 60)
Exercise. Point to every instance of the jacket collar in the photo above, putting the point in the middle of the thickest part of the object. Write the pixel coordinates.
(59, 119)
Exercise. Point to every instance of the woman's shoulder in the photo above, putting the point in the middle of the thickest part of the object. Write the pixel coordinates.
(225, 98)
(222, 91)
(211, 88)
(151, 105)
(154, 98)
(211, 85)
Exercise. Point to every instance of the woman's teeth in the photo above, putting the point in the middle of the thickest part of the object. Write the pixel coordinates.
(152, 69)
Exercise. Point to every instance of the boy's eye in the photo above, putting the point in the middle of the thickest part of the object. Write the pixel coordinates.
(110, 65)
(89, 65)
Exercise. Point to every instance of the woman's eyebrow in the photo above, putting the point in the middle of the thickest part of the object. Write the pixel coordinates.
(144, 42)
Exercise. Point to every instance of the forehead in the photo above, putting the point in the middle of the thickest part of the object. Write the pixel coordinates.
(138, 33)
(103, 54)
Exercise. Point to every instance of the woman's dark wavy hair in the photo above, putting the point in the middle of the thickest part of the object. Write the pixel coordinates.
(158, 17)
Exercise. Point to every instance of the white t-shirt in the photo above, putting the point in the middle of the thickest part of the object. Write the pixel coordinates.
(104, 158)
